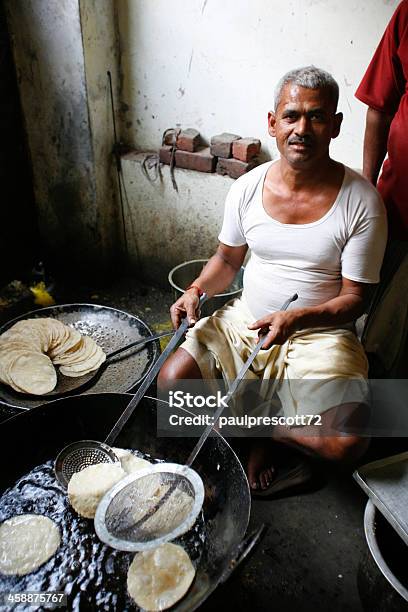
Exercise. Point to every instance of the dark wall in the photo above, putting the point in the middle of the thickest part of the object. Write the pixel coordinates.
(19, 241)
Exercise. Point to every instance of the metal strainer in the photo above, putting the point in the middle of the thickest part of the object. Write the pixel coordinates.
(150, 507)
(81, 455)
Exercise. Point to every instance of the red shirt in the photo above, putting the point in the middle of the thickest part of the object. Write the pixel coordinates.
(384, 88)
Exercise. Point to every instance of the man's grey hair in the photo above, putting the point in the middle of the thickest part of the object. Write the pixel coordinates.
(309, 77)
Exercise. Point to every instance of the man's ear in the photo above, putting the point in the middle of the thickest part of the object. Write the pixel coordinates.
(338, 118)
(271, 123)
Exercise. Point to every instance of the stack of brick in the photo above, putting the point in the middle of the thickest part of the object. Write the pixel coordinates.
(236, 155)
(190, 153)
(228, 154)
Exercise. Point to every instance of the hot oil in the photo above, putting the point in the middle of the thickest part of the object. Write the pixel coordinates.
(92, 575)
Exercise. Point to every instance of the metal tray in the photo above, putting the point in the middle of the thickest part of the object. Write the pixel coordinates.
(386, 483)
(386, 548)
(111, 329)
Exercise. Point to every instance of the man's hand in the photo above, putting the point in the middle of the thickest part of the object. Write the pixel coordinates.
(346, 307)
(187, 305)
(277, 327)
(217, 275)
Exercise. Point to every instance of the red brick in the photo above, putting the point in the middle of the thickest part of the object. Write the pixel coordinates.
(165, 154)
(246, 149)
(234, 167)
(168, 139)
(202, 160)
(221, 144)
(189, 140)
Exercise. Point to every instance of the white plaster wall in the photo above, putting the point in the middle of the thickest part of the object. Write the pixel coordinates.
(210, 64)
(213, 64)
(165, 227)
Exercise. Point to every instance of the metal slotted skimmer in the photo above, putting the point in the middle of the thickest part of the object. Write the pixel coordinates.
(150, 507)
(159, 503)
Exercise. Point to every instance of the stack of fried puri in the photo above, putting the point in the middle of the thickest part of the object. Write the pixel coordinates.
(30, 348)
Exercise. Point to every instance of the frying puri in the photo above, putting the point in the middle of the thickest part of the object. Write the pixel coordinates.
(158, 578)
(26, 542)
(87, 487)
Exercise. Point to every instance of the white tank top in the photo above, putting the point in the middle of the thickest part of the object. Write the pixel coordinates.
(309, 259)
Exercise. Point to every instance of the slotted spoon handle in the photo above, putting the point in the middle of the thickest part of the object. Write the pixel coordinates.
(154, 370)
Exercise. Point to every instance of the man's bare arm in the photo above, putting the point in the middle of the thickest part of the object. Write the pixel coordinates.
(217, 274)
(221, 269)
(344, 308)
(375, 143)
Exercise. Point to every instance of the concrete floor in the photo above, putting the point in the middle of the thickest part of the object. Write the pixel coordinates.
(314, 555)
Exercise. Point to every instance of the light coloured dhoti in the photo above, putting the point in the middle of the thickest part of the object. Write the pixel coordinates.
(313, 371)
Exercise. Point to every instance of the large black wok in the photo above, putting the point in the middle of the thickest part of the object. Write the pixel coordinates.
(31, 438)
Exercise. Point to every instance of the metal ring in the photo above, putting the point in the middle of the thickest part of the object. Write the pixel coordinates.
(174, 468)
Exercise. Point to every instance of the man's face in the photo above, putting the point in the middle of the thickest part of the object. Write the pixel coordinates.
(304, 124)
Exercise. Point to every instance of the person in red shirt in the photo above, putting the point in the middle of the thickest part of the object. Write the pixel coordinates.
(384, 90)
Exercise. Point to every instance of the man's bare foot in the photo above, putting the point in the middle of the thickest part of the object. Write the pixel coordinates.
(261, 472)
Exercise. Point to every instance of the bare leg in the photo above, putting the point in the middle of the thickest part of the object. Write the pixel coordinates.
(179, 366)
(325, 441)
(182, 366)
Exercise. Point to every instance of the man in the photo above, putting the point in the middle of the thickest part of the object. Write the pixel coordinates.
(383, 89)
(313, 227)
